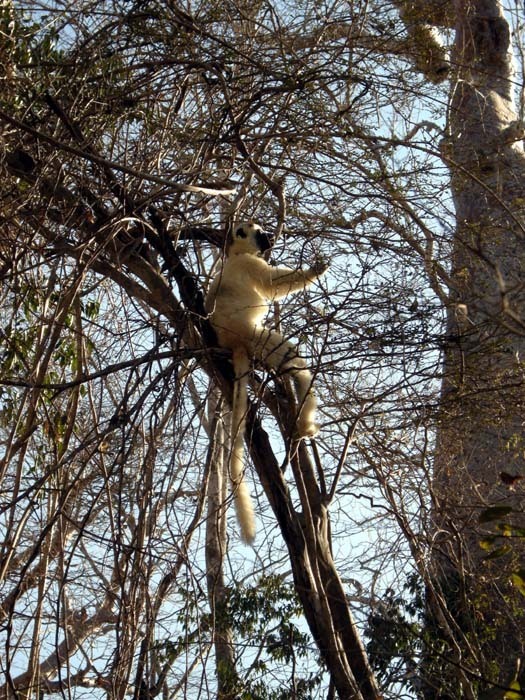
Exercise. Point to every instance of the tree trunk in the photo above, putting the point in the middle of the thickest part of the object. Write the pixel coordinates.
(317, 582)
(481, 423)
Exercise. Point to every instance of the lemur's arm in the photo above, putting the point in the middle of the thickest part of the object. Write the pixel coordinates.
(280, 281)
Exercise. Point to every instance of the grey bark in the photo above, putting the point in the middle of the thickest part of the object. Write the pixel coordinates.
(481, 421)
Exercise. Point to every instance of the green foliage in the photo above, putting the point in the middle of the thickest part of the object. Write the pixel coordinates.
(494, 513)
(264, 620)
(394, 632)
(518, 579)
(302, 690)
(504, 542)
(268, 615)
(270, 599)
(33, 52)
(514, 692)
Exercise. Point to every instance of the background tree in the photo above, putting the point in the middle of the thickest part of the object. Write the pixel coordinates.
(131, 132)
(480, 457)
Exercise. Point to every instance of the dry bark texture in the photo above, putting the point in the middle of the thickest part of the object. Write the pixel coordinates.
(483, 396)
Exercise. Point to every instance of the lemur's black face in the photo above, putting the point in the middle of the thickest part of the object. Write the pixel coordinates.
(264, 241)
(252, 237)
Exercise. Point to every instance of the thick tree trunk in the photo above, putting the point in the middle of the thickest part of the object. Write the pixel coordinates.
(481, 430)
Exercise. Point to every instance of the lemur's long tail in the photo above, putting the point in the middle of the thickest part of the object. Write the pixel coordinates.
(243, 501)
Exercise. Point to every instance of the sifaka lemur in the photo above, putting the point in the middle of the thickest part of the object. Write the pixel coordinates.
(238, 302)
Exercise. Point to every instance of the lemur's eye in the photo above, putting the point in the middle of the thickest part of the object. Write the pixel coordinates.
(240, 233)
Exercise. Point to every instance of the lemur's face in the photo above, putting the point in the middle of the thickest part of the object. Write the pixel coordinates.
(250, 238)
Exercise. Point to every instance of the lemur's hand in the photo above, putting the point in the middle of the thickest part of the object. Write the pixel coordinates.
(320, 266)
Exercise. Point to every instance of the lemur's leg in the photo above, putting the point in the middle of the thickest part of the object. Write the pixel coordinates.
(280, 354)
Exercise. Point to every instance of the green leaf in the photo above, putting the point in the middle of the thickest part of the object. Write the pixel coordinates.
(505, 529)
(499, 552)
(514, 692)
(494, 513)
(518, 579)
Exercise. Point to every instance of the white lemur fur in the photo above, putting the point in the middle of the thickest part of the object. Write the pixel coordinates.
(238, 301)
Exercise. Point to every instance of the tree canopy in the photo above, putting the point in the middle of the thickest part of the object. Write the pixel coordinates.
(384, 137)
